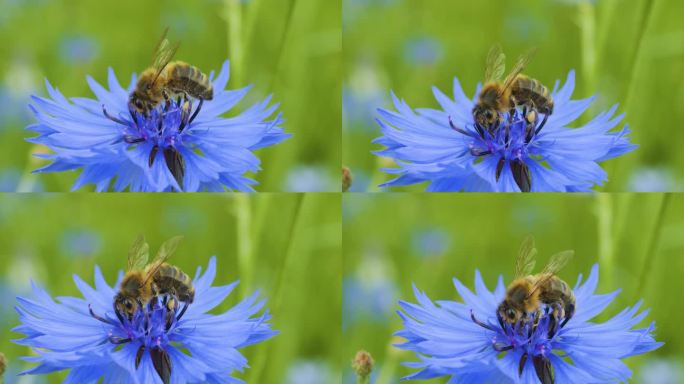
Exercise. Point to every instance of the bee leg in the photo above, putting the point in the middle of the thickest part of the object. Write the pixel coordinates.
(119, 315)
(479, 129)
(552, 325)
(185, 113)
(199, 106)
(546, 116)
(570, 311)
(171, 308)
(182, 312)
(498, 317)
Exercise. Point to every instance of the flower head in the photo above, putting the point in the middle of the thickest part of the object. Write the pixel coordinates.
(162, 341)
(524, 152)
(469, 343)
(180, 145)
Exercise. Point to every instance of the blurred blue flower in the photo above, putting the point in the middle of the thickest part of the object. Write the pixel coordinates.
(422, 51)
(446, 148)
(87, 337)
(80, 242)
(361, 180)
(6, 312)
(465, 340)
(118, 148)
(661, 371)
(310, 179)
(78, 49)
(369, 293)
(309, 372)
(430, 242)
(654, 180)
(361, 95)
(9, 179)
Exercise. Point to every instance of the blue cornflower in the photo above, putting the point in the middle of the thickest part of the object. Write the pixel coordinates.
(178, 146)
(446, 148)
(90, 338)
(467, 341)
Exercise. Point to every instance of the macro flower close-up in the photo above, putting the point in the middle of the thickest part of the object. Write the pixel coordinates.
(469, 343)
(548, 153)
(181, 144)
(164, 340)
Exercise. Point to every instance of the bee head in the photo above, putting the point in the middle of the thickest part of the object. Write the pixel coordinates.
(485, 116)
(509, 313)
(136, 103)
(125, 305)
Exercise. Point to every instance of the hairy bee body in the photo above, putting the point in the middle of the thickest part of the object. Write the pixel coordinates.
(493, 100)
(182, 77)
(526, 295)
(176, 78)
(134, 290)
(144, 281)
(169, 279)
(501, 95)
(528, 91)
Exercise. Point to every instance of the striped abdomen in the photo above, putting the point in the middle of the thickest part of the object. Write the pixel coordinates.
(528, 91)
(171, 280)
(555, 290)
(184, 78)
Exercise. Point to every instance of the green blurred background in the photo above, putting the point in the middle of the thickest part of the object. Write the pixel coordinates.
(286, 246)
(627, 52)
(635, 238)
(290, 48)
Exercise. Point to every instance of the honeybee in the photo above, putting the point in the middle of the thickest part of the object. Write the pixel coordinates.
(497, 97)
(165, 79)
(144, 281)
(527, 292)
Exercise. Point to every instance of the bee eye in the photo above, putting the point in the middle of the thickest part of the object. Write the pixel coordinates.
(139, 104)
(510, 313)
(128, 304)
(489, 114)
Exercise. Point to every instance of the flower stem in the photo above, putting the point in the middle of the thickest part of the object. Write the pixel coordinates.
(283, 40)
(261, 358)
(233, 17)
(243, 215)
(643, 26)
(606, 250)
(390, 364)
(587, 22)
(653, 243)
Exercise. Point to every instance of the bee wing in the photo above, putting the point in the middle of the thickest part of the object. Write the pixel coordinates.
(163, 54)
(524, 264)
(496, 64)
(138, 254)
(522, 62)
(557, 262)
(165, 251)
